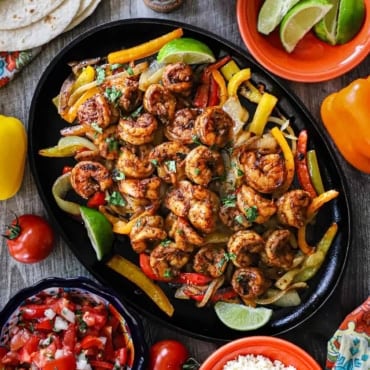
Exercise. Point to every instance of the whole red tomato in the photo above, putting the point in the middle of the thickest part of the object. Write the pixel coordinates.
(167, 354)
(29, 238)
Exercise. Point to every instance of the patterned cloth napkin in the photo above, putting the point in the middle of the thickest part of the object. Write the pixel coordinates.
(12, 62)
(349, 348)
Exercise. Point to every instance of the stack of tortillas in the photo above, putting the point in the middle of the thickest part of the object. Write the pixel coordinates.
(26, 24)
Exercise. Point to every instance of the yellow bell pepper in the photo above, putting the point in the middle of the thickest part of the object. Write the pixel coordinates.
(86, 76)
(236, 80)
(346, 116)
(133, 273)
(13, 150)
(222, 89)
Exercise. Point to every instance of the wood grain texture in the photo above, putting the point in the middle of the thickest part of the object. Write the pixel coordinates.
(214, 16)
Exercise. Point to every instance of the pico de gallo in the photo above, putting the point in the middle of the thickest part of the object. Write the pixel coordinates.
(66, 330)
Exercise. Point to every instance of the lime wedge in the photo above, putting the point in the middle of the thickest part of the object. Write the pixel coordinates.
(326, 29)
(241, 317)
(300, 19)
(99, 230)
(351, 16)
(271, 14)
(185, 50)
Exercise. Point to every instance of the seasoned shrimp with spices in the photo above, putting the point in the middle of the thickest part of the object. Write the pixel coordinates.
(244, 247)
(181, 128)
(178, 198)
(167, 260)
(279, 251)
(107, 142)
(149, 188)
(147, 230)
(159, 101)
(213, 127)
(178, 78)
(138, 132)
(203, 164)
(88, 177)
(257, 208)
(233, 218)
(210, 260)
(134, 162)
(97, 112)
(292, 208)
(249, 282)
(169, 160)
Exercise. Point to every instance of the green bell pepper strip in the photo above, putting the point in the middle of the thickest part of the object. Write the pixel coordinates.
(314, 170)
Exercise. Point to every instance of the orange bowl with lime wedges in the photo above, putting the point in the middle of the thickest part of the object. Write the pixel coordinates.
(312, 59)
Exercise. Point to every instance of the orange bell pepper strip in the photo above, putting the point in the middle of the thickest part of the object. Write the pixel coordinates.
(319, 201)
(346, 116)
(143, 50)
(218, 90)
(124, 227)
(288, 157)
(302, 242)
(133, 273)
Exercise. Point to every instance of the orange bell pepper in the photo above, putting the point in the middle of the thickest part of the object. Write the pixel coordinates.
(346, 116)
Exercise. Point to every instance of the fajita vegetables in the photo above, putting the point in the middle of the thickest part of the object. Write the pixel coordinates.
(197, 166)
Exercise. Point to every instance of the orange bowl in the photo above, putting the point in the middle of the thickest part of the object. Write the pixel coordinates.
(271, 347)
(312, 60)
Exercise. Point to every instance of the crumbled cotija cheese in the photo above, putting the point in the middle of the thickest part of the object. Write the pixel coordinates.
(259, 362)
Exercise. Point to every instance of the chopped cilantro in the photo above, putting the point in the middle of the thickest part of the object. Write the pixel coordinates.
(112, 94)
(118, 175)
(229, 200)
(116, 199)
(171, 165)
(166, 242)
(96, 127)
(251, 213)
(154, 162)
(196, 171)
(130, 71)
(195, 139)
(239, 219)
(100, 75)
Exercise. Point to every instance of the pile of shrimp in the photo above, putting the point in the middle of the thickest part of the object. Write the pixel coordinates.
(200, 203)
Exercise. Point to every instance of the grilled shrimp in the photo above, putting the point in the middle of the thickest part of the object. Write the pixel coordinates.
(292, 207)
(203, 164)
(167, 260)
(249, 282)
(169, 159)
(134, 161)
(181, 129)
(138, 132)
(233, 218)
(97, 111)
(178, 78)
(178, 198)
(244, 247)
(248, 198)
(210, 260)
(213, 127)
(107, 142)
(88, 177)
(203, 209)
(160, 102)
(278, 249)
(147, 229)
(141, 188)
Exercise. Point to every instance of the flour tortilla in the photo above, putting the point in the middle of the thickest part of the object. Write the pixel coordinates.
(87, 7)
(42, 31)
(21, 13)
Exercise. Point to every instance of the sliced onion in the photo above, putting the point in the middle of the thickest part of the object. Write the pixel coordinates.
(152, 75)
(59, 190)
(68, 146)
(212, 288)
(237, 112)
(280, 294)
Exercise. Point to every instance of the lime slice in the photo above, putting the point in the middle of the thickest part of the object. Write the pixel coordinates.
(327, 27)
(271, 14)
(99, 230)
(351, 16)
(241, 317)
(300, 19)
(185, 50)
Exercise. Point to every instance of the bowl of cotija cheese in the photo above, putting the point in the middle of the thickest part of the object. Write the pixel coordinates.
(260, 352)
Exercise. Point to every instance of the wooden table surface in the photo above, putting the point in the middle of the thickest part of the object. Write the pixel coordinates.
(214, 16)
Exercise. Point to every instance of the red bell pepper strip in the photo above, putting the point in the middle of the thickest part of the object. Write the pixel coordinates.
(193, 278)
(301, 164)
(98, 199)
(213, 95)
(144, 262)
(202, 94)
(223, 294)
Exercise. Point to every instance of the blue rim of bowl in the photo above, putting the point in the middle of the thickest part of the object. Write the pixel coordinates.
(81, 282)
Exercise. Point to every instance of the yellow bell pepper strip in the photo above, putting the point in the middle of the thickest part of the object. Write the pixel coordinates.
(346, 116)
(251, 92)
(262, 113)
(86, 76)
(13, 150)
(313, 262)
(314, 171)
(236, 80)
(319, 201)
(300, 157)
(302, 242)
(221, 88)
(143, 50)
(229, 69)
(67, 147)
(133, 273)
(123, 227)
(288, 157)
(71, 114)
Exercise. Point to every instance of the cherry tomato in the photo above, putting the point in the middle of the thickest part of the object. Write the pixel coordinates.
(30, 238)
(168, 354)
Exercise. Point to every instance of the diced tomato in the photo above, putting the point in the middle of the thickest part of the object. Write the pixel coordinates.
(43, 325)
(91, 341)
(101, 364)
(109, 349)
(33, 311)
(11, 359)
(64, 363)
(63, 303)
(94, 319)
(121, 355)
(70, 338)
(28, 349)
(19, 339)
